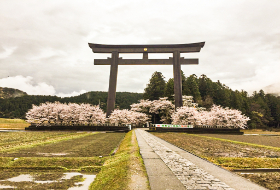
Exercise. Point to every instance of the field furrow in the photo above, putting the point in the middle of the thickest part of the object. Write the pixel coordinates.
(74, 145)
(37, 139)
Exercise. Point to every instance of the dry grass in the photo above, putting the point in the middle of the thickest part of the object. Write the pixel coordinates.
(13, 124)
(268, 180)
(259, 131)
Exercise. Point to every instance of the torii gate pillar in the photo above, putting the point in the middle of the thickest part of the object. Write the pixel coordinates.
(112, 83)
(176, 61)
(177, 79)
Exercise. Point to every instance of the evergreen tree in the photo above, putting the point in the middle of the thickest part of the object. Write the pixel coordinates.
(185, 88)
(274, 106)
(169, 89)
(221, 94)
(245, 103)
(205, 87)
(192, 84)
(155, 88)
(236, 100)
(260, 111)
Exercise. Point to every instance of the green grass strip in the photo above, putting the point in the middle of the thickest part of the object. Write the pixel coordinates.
(114, 173)
(90, 169)
(237, 142)
(32, 144)
(245, 163)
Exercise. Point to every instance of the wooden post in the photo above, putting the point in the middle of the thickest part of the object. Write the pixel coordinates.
(177, 79)
(112, 83)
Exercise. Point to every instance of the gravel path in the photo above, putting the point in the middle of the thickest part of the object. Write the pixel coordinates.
(188, 173)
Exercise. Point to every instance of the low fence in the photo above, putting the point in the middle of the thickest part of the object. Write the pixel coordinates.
(197, 129)
(35, 127)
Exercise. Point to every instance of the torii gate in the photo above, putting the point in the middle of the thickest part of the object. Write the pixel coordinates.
(115, 60)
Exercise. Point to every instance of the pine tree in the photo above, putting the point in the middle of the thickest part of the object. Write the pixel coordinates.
(221, 94)
(192, 84)
(169, 89)
(155, 88)
(205, 87)
(236, 100)
(185, 88)
(245, 103)
(274, 105)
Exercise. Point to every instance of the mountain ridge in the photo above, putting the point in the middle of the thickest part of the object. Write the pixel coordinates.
(11, 93)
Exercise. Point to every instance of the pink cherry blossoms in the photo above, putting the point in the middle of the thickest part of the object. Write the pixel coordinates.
(74, 114)
(86, 114)
(123, 117)
(65, 114)
(217, 116)
(163, 107)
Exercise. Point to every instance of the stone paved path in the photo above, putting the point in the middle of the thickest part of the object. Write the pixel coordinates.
(191, 175)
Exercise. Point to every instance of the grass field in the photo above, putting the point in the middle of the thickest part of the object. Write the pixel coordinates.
(48, 155)
(100, 144)
(233, 154)
(13, 123)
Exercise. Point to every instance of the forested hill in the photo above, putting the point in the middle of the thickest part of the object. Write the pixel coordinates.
(10, 93)
(18, 106)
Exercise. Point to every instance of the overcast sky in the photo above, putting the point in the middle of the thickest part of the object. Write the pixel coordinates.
(44, 44)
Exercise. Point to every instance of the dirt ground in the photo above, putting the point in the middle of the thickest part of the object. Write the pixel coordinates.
(205, 147)
(209, 148)
(100, 144)
(268, 180)
(268, 140)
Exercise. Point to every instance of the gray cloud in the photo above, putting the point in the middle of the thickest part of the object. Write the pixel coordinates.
(47, 41)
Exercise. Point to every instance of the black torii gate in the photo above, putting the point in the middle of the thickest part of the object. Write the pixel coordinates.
(115, 60)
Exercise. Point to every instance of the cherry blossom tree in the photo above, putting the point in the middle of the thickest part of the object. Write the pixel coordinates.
(217, 116)
(162, 107)
(220, 116)
(186, 116)
(123, 117)
(65, 114)
(90, 114)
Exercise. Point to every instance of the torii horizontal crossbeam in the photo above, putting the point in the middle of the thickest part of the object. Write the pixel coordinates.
(121, 61)
(149, 48)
